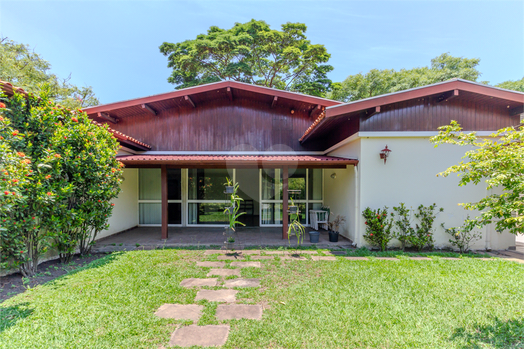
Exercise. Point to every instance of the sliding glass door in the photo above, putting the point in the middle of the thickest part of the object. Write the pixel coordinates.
(206, 200)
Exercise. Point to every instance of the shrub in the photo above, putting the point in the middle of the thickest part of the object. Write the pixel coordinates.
(378, 227)
(423, 233)
(462, 237)
(403, 224)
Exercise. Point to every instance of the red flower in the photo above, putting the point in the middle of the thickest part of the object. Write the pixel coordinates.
(6, 192)
(49, 193)
(15, 132)
(65, 137)
(370, 234)
(74, 119)
(48, 176)
(2, 105)
(20, 154)
(366, 223)
(33, 217)
(15, 180)
(99, 200)
(1, 118)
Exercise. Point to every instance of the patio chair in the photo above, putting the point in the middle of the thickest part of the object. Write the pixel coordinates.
(318, 217)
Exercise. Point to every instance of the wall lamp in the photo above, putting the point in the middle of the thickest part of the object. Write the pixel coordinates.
(384, 153)
(333, 175)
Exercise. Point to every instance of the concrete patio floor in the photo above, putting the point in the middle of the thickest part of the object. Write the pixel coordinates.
(149, 238)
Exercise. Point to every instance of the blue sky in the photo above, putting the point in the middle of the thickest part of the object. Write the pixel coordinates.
(113, 45)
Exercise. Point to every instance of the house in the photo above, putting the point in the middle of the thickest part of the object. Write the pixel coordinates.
(179, 147)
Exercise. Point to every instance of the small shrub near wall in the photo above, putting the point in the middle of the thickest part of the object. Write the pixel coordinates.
(378, 227)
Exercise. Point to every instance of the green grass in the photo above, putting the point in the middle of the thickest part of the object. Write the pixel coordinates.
(331, 304)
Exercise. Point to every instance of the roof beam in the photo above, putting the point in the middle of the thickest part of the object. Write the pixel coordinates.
(190, 101)
(446, 96)
(107, 117)
(516, 111)
(149, 109)
(370, 112)
(229, 94)
(274, 102)
(316, 111)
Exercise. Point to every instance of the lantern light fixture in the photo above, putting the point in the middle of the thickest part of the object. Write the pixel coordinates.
(384, 153)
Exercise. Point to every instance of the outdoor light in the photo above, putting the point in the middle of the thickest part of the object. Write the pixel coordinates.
(384, 153)
(333, 175)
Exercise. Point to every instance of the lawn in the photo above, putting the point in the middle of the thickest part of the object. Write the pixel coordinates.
(466, 303)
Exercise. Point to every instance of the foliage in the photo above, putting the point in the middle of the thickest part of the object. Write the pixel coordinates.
(462, 237)
(517, 85)
(73, 176)
(337, 222)
(403, 224)
(497, 161)
(22, 67)
(378, 227)
(423, 233)
(254, 53)
(295, 227)
(232, 210)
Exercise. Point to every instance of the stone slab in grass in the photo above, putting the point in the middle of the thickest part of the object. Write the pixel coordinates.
(250, 251)
(211, 264)
(180, 311)
(274, 252)
(224, 272)
(293, 258)
(230, 258)
(323, 258)
(420, 258)
(262, 257)
(239, 311)
(196, 282)
(450, 258)
(337, 253)
(228, 296)
(357, 258)
(388, 258)
(246, 264)
(303, 252)
(209, 252)
(242, 283)
(205, 336)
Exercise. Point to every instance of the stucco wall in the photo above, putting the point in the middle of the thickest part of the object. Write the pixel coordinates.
(341, 192)
(125, 212)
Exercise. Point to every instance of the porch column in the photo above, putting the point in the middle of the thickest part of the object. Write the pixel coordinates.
(285, 198)
(163, 180)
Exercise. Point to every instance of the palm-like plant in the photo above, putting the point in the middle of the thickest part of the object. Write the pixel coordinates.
(232, 210)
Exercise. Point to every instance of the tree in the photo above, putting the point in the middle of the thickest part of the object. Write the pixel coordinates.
(73, 174)
(377, 82)
(517, 85)
(499, 162)
(22, 67)
(254, 53)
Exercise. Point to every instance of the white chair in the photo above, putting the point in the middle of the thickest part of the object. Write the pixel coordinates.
(318, 217)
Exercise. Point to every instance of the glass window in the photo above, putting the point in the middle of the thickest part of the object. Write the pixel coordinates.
(271, 184)
(315, 184)
(174, 213)
(174, 184)
(297, 184)
(271, 213)
(206, 184)
(150, 186)
(301, 213)
(150, 213)
(207, 213)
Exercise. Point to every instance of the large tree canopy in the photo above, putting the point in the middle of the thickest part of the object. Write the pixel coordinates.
(251, 52)
(24, 68)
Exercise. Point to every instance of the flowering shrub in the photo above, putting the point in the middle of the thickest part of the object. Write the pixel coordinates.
(421, 235)
(378, 227)
(462, 237)
(403, 224)
(72, 175)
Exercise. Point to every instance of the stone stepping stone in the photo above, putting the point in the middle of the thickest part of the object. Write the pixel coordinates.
(357, 258)
(194, 282)
(230, 258)
(450, 258)
(338, 253)
(242, 283)
(323, 258)
(262, 257)
(291, 258)
(206, 336)
(303, 252)
(180, 311)
(274, 252)
(239, 311)
(224, 272)
(420, 258)
(228, 296)
(388, 258)
(246, 264)
(209, 252)
(250, 251)
(211, 264)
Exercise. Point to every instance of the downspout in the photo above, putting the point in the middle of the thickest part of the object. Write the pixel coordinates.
(488, 231)
(357, 207)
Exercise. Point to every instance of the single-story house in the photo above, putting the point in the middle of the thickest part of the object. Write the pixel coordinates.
(178, 148)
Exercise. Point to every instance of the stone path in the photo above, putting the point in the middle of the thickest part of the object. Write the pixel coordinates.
(216, 335)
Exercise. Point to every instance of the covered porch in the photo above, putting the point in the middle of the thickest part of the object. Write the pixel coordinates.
(149, 238)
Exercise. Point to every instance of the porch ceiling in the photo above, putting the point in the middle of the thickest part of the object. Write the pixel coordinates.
(236, 161)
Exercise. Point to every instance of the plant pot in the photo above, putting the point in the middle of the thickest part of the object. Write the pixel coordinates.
(333, 236)
(229, 190)
(230, 210)
(293, 209)
(314, 236)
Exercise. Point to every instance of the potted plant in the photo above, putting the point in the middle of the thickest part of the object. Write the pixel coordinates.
(335, 226)
(230, 242)
(293, 209)
(295, 228)
(232, 213)
(314, 236)
(230, 187)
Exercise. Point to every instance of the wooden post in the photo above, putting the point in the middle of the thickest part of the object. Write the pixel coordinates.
(285, 197)
(163, 179)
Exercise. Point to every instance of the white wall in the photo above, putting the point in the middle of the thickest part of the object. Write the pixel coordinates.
(125, 212)
(341, 193)
(409, 176)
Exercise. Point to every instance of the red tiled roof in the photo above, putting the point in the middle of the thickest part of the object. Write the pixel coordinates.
(260, 161)
(9, 89)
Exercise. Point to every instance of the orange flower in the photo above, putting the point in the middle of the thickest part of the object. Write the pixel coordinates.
(48, 176)
(15, 133)
(74, 119)
(1, 118)
(2, 105)
(58, 156)
(26, 161)
(49, 193)
(20, 154)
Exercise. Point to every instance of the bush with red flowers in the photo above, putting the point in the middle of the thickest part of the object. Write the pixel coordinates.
(378, 227)
(71, 179)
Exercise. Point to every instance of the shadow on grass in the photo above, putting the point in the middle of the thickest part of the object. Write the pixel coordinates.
(499, 334)
(9, 316)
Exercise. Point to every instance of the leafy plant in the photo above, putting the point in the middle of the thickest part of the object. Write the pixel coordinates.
(403, 224)
(378, 227)
(423, 233)
(231, 239)
(232, 210)
(462, 237)
(295, 227)
(337, 222)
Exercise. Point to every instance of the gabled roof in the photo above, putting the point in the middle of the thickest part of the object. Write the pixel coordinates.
(513, 99)
(125, 140)
(169, 99)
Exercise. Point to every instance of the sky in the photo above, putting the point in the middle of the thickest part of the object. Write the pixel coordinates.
(113, 45)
